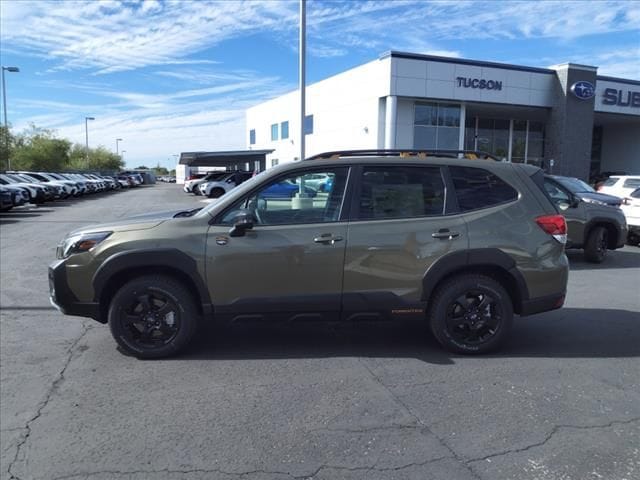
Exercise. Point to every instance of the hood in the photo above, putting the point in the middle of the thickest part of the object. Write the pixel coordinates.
(144, 221)
(600, 197)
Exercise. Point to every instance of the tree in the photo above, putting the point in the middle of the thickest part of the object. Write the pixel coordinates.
(7, 146)
(161, 171)
(37, 149)
(142, 167)
(99, 159)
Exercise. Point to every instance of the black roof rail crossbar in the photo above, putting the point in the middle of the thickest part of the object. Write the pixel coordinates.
(470, 154)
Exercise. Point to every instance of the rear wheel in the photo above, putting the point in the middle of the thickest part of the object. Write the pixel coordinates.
(471, 314)
(595, 249)
(153, 317)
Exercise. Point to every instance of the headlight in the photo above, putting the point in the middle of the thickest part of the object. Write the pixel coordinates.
(82, 242)
(594, 201)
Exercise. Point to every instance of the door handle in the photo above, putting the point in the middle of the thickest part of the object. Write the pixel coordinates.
(327, 239)
(445, 233)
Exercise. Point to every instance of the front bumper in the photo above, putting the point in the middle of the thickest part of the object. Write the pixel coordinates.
(61, 296)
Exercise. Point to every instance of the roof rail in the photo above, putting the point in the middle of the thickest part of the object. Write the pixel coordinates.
(469, 154)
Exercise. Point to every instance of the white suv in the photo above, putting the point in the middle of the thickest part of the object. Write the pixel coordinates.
(223, 184)
(631, 208)
(620, 185)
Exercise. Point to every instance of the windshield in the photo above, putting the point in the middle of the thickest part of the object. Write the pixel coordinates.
(574, 185)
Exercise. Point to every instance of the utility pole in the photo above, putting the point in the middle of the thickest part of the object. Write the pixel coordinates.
(302, 76)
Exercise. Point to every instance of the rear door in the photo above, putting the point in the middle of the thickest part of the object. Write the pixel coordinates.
(398, 228)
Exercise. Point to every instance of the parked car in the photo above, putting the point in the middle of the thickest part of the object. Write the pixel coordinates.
(631, 209)
(222, 185)
(620, 185)
(461, 244)
(595, 222)
(6, 199)
(287, 190)
(19, 194)
(38, 193)
(64, 188)
(193, 185)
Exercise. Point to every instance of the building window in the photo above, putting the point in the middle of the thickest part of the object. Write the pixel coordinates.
(274, 162)
(436, 126)
(274, 132)
(252, 137)
(284, 130)
(308, 125)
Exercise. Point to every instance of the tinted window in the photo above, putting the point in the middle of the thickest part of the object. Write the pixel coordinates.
(308, 124)
(400, 192)
(294, 199)
(252, 137)
(284, 130)
(631, 183)
(609, 182)
(557, 194)
(635, 193)
(574, 185)
(274, 131)
(477, 188)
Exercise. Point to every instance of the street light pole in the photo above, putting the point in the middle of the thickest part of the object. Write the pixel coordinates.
(302, 79)
(4, 103)
(86, 135)
(117, 140)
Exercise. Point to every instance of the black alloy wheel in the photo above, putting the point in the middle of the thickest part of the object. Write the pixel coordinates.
(153, 317)
(216, 193)
(471, 314)
(595, 249)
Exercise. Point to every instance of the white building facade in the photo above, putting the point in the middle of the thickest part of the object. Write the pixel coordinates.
(565, 118)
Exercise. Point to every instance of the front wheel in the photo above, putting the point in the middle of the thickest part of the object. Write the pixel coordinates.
(595, 249)
(153, 317)
(471, 314)
(216, 193)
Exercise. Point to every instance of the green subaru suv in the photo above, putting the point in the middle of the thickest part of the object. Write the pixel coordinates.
(463, 244)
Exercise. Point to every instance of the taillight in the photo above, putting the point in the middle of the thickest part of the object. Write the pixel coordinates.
(554, 225)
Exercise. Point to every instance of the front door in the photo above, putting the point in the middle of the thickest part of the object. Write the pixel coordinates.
(291, 261)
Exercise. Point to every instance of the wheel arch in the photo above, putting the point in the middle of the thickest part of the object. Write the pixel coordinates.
(492, 262)
(612, 231)
(125, 266)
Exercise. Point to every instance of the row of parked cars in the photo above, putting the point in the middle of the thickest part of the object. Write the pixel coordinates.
(18, 188)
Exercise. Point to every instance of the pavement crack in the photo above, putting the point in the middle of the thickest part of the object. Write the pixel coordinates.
(42, 405)
(419, 421)
(373, 468)
(551, 434)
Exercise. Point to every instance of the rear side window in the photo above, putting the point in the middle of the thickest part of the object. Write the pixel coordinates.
(400, 192)
(478, 188)
(631, 183)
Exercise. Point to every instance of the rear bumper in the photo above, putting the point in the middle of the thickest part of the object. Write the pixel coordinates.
(542, 304)
(61, 296)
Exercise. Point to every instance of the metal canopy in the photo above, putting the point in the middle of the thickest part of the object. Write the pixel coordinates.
(225, 159)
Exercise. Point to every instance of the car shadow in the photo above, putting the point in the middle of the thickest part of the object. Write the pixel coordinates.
(615, 259)
(565, 333)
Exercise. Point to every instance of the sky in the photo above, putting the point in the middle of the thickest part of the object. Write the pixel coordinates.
(174, 76)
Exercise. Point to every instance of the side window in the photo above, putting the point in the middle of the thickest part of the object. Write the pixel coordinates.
(295, 199)
(631, 183)
(557, 194)
(400, 192)
(478, 188)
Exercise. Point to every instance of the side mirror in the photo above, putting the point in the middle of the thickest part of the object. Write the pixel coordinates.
(242, 223)
(575, 201)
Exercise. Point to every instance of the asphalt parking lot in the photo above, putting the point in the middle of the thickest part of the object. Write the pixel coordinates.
(363, 401)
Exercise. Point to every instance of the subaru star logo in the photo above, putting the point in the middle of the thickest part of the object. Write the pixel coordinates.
(583, 90)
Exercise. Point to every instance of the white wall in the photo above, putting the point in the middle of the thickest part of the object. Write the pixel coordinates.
(621, 148)
(345, 108)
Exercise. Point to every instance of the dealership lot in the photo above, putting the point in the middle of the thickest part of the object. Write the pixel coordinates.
(370, 400)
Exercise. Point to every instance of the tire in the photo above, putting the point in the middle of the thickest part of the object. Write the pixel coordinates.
(136, 317)
(216, 193)
(457, 322)
(595, 248)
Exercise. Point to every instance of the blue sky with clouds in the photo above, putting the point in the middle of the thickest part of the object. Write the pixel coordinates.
(172, 76)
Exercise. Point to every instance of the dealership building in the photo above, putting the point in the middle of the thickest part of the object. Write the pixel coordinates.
(565, 118)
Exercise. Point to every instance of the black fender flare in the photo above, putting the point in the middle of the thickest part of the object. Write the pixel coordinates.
(600, 221)
(171, 258)
(475, 258)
